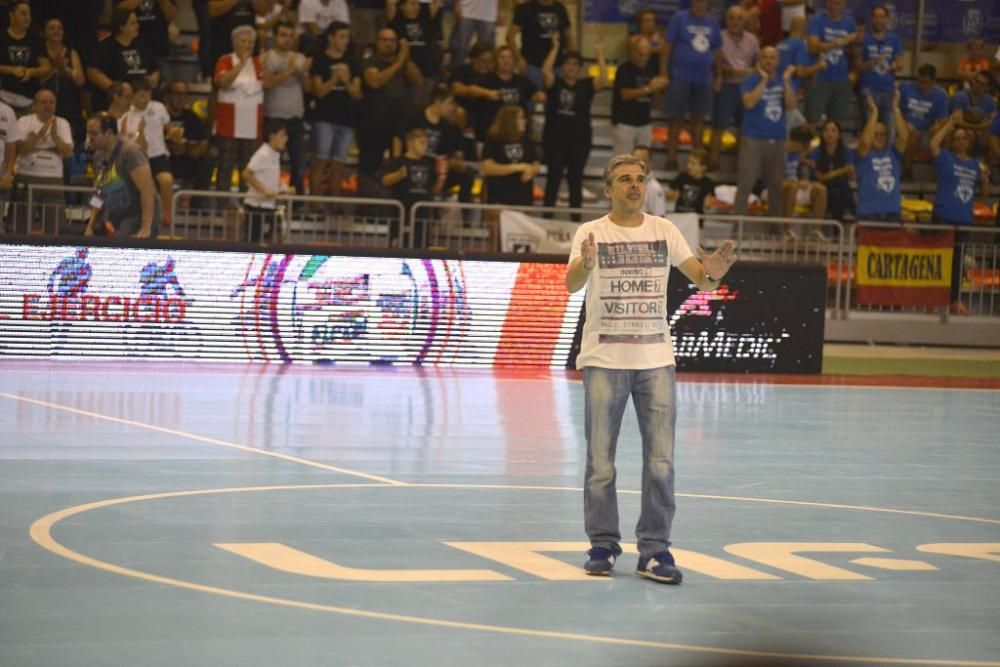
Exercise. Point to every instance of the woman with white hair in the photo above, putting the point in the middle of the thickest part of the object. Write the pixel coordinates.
(239, 113)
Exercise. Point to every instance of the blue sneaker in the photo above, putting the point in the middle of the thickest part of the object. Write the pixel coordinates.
(659, 567)
(600, 561)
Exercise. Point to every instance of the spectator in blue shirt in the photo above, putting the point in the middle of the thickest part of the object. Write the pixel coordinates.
(830, 33)
(925, 106)
(801, 187)
(794, 52)
(767, 96)
(957, 175)
(834, 164)
(978, 108)
(692, 53)
(879, 166)
(881, 58)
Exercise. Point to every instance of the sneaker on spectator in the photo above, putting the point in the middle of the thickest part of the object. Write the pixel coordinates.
(659, 567)
(600, 561)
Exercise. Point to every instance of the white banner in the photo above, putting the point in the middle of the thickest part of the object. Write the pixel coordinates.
(522, 233)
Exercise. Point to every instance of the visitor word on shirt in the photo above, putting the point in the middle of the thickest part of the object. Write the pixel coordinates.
(626, 325)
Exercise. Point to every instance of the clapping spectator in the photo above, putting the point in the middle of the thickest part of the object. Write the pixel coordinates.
(285, 80)
(336, 83)
(830, 33)
(468, 84)
(45, 141)
(419, 24)
(146, 125)
(66, 78)
(794, 52)
(239, 114)
(879, 166)
(881, 58)
(636, 81)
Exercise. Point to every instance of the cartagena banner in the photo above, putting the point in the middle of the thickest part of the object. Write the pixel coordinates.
(521, 233)
(102, 302)
(900, 267)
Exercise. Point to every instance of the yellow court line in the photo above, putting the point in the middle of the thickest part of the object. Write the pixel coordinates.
(41, 533)
(205, 439)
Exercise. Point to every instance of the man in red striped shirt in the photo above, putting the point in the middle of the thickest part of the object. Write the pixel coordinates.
(239, 113)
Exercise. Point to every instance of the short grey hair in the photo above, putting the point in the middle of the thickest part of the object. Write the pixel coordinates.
(618, 161)
(239, 30)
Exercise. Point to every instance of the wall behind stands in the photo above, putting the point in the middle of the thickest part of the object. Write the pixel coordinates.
(194, 304)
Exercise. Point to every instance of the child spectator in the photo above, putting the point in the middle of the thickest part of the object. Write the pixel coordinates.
(413, 177)
(263, 178)
(146, 124)
(691, 187)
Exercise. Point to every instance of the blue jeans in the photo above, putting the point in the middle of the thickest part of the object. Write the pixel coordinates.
(464, 31)
(606, 394)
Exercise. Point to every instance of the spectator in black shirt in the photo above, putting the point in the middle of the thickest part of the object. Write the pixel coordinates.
(417, 23)
(635, 82)
(467, 82)
(568, 135)
(509, 160)
(154, 18)
(513, 89)
(386, 97)
(691, 187)
(412, 177)
(23, 60)
(444, 142)
(122, 57)
(536, 21)
(66, 78)
(336, 83)
(187, 140)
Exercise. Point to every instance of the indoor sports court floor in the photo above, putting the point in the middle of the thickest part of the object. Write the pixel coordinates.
(155, 514)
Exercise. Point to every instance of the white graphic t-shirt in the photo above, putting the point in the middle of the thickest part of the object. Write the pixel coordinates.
(626, 325)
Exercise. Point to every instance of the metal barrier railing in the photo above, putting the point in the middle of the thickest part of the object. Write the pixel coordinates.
(977, 251)
(344, 221)
(47, 210)
(464, 227)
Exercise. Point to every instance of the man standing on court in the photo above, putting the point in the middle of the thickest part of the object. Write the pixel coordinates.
(624, 259)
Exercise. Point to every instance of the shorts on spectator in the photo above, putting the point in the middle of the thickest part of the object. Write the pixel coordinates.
(728, 107)
(688, 99)
(159, 164)
(331, 142)
(626, 137)
(829, 99)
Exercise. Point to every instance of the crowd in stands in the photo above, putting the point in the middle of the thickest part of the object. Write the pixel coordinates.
(430, 106)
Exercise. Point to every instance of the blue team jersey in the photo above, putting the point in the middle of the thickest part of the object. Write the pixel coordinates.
(766, 120)
(695, 40)
(922, 110)
(956, 187)
(828, 30)
(985, 105)
(879, 174)
(792, 52)
(881, 77)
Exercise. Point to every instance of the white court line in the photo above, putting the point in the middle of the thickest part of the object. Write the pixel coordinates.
(205, 439)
